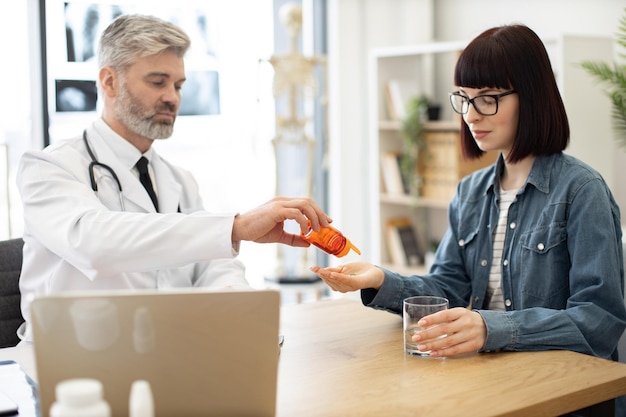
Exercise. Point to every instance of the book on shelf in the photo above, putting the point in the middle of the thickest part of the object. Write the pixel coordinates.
(402, 242)
(393, 181)
(398, 93)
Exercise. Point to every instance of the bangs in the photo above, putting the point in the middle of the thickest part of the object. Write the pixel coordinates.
(483, 64)
(513, 57)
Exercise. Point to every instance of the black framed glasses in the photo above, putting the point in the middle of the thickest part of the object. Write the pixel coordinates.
(485, 104)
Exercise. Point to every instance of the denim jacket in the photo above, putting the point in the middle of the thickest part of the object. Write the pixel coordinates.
(562, 269)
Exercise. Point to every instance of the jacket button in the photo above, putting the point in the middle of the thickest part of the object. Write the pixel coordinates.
(461, 242)
(541, 246)
(507, 302)
(483, 262)
(513, 225)
(506, 262)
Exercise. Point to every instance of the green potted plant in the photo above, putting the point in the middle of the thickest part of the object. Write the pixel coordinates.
(412, 132)
(613, 77)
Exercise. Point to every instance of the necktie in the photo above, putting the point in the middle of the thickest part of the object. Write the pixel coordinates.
(144, 177)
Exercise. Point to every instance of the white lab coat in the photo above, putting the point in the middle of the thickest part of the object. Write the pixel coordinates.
(78, 239)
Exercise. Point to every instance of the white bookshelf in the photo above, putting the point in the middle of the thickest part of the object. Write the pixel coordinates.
(420, 69)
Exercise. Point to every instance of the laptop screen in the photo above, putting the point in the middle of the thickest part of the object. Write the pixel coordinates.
(203, 353)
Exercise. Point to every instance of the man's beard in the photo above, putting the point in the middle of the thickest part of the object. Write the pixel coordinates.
(140, 120)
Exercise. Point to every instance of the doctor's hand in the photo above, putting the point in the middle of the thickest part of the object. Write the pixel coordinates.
(351, 277)
(265, 224)
(464, 331)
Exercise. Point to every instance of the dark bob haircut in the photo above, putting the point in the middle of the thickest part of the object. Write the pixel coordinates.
(513, 57)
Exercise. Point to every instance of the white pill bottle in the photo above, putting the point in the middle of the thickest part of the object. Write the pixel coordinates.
(141, 400)
(80, 397)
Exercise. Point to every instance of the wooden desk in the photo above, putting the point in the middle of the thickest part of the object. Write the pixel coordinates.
(340, 358)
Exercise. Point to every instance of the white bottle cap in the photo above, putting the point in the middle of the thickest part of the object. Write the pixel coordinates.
(141, 400)
(79, 392)
(80, 397)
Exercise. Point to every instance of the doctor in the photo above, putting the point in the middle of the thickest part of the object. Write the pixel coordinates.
(89, 221)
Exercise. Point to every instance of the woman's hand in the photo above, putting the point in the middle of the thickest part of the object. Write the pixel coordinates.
(464, 331)
(351, 277)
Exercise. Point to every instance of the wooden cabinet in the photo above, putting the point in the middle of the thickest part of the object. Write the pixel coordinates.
(441, 164)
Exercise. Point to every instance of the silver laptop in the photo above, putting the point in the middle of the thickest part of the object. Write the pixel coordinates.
(203, 353)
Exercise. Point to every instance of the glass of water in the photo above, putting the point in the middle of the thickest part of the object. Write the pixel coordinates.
(414, 309)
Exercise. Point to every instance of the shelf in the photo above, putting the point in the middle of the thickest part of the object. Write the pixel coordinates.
(396, 125)
(411, 201)
(447, 125)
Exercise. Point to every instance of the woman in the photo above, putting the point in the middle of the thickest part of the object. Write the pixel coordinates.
(532, 258)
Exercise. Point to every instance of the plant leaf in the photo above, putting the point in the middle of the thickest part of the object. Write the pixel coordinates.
(613, 79)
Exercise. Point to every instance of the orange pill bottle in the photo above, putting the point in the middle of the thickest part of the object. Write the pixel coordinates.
(330, 240)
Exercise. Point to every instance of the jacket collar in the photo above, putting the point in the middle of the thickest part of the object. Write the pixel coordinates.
(539, 175)
(113, 150)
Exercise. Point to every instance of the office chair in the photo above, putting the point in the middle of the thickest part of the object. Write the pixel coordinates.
(10, 312)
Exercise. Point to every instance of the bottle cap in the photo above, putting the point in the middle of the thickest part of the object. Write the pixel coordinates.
(141, 400)
(79, 392)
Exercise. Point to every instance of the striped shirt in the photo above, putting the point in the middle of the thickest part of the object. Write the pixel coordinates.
(494, 290)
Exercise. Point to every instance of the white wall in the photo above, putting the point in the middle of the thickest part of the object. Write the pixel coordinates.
(359, 25)
(19, 121)
(356, 26)
(457, 19)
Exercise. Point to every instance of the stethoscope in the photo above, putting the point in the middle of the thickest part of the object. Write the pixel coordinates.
(94, 163)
